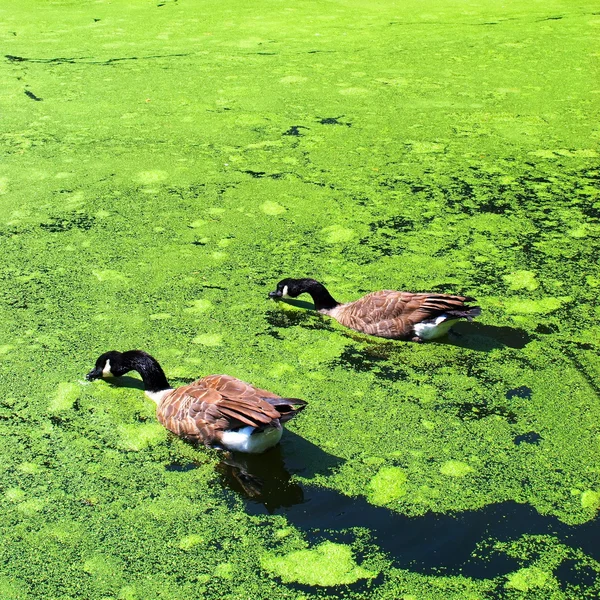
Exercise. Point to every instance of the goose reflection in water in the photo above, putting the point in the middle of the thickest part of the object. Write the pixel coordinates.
(261, 479)
(267, 481)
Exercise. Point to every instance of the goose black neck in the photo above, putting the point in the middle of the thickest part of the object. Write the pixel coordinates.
(147, 366)
(322, 299)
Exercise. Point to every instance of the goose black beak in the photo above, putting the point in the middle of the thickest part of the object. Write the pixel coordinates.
(93, 374)
(275, 295)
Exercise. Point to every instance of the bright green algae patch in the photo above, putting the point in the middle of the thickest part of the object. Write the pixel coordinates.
(388, 485)
(166, 163)
(328, 564)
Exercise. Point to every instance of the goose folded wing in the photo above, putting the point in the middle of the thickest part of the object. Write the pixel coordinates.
(259, 399)
(250, 413)
(385, 305)
(233, 387)
(228, 411)
(436, 304)
(393, 314)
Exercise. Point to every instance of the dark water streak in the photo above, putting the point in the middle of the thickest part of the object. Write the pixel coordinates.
(434, 543)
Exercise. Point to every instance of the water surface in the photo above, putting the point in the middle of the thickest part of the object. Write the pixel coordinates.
(166, 162)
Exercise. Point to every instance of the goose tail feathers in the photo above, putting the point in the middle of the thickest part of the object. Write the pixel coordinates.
(288, 408)
(468, 313)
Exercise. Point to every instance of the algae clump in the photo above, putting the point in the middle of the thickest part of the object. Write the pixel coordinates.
(531, 307)
(208, 339)
(456, 468)
(389, 484)
(527, 578)
(590, 499)
(272, 208)
(327, 564)
(522, 280)
(336, 234)
(64, 398)
(138, 437)
(189, 541)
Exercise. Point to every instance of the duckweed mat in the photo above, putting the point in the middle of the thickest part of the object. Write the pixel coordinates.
(166, 162)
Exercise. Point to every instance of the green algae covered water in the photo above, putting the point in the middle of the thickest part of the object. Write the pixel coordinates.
(166, 162)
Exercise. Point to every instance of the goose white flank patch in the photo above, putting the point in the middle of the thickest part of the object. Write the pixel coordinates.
(247, 439)
(219, 411)
(389, 314)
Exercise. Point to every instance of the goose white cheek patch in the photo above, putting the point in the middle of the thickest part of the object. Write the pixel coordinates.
(106, 371)
(284, 292)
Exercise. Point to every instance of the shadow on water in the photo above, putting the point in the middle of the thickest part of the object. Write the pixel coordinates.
(126, 381)
(440, 544)
(282, 319)
(298, 303)
(477, 336)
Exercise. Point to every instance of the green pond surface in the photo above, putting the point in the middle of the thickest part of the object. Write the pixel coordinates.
(166, 162)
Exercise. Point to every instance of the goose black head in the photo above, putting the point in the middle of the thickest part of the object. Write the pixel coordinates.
(292, 288)
(109, 364)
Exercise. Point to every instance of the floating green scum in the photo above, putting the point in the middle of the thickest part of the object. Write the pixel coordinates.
(166, 162)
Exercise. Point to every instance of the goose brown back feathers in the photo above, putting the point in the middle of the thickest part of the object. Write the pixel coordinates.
(204, 409)
(392, 314)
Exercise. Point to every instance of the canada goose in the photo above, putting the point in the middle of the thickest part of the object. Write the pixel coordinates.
(388, 314)
(218, 410)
